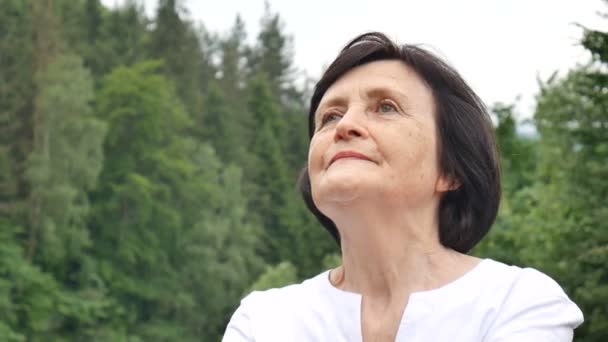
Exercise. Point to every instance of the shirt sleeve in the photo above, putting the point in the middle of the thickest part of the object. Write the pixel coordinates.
(536, 310)
(240, 327)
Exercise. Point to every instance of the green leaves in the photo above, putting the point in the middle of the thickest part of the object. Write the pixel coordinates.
(173, 215)
(280, 275)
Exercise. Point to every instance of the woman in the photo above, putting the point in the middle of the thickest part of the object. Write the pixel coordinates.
(403, 172)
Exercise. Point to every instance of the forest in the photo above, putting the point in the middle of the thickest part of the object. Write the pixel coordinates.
(148, 174)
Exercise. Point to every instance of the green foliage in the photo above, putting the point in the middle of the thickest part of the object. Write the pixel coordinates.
(26, 293)
(221, 127)
(520, 193)
(173, 214)
(63, 165)
(571, 117)
(517, 153)
(128, 23)
(597, 43)
(275, 276)
(273, 54)
(233, 53)
(331, 261)
(176, 41)
(66, 160)
(142, 187)
(269, 173)
(17, 93)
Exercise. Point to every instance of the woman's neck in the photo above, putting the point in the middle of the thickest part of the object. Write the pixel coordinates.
(389, 258)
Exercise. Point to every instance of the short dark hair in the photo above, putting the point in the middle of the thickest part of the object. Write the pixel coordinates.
(467, 147)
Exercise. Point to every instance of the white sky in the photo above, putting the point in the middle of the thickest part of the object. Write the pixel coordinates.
(499, 46)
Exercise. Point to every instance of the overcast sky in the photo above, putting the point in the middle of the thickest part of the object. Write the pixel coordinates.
(499, 46)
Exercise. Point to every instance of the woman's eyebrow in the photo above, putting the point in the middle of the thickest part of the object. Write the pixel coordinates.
(332, 101)
(374, 93)
(381, 92)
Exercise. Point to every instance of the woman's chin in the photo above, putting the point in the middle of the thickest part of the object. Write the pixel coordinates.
(341, 189)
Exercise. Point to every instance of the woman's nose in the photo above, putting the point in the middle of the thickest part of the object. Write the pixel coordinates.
(351, 125)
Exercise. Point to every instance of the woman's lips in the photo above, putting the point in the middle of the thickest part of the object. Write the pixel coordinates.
(349, 154)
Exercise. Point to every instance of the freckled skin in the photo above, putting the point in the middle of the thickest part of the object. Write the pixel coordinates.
(402, 144)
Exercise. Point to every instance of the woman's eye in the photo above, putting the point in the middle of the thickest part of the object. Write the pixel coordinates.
(330, 117)
(387, 108)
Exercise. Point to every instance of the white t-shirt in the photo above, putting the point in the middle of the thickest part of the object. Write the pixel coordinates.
(493, 302)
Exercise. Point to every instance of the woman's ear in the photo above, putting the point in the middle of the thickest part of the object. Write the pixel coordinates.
(446, 183)
(455, 185)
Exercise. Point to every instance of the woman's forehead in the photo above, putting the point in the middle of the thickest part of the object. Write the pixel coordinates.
(386, 77)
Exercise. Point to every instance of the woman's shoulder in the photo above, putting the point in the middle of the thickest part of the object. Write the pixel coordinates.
(512, 287)
(287, 312)
(286, 295)
(519, 281)
(274, 312)
(528, 302)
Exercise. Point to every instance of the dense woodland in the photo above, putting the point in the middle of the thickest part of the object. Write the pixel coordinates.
(148, 168)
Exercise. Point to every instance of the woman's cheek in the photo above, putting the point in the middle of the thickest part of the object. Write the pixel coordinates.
(315, 155)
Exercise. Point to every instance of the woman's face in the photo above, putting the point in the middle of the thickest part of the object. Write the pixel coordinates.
(375, 139)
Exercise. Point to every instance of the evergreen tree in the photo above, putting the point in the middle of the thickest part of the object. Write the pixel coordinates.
(62, 167)
(268, 181)
(17, 91)
(66, 164)
(175, 41)
(93, 20)
(516, 151)
(518, 168)
(273, 53)
(169, 215)
(233, 57)
(222, 127)
(230, 93)
(120, 35)
(572, 120)
(136, 223)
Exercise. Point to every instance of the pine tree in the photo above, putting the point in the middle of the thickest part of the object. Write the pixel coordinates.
(222, 127)
(233, 58)
(17, 91)
(178, 44)
(229, 92)
(273, 54)
(135, 222)
(268, 182)
(169, 215)
(119, 37)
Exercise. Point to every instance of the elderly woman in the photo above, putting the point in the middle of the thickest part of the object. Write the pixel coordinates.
(403, 172)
